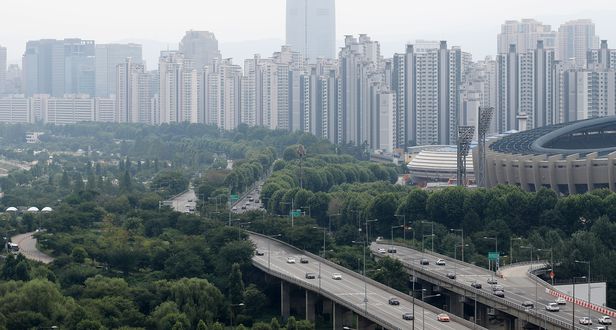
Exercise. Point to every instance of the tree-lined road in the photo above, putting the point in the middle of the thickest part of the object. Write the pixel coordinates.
(27, 247)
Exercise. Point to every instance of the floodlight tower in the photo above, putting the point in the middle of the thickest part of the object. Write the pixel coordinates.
(465, 136)
(485, 118)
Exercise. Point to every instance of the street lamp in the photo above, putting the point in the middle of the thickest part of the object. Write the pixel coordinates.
(495, 238)
(456, 251)
(588, 278)
(269, 251)
(367, 232)
(403, 224)
(573, 312)
(323, 256)
(432, 234)
(364, 243)
(392, 234)
(423, 308)
(511, 248)
(233, 310)
(461, 230)
(530, 247)
(551, 261)
(422, 241)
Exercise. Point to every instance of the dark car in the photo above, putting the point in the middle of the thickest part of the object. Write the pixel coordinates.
(303, 260)
(424, 262)
(476, 285)
(408, 316)
(394, 301)
(528, 304)
(391, 250)
(451, 275)
(311, 276)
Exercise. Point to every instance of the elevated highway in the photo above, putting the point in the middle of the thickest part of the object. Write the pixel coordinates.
(349, 293)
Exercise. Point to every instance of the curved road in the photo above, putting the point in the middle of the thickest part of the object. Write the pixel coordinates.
(27, 247)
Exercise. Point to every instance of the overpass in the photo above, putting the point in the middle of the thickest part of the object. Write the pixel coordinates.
(519, 282)
(343, 299)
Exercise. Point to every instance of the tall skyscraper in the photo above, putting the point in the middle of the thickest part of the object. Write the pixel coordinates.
(133, 93)
(311, 28)
(58, 67)
(524, 35)
(221, 91)
(108, 57)
(2, 70)
(201, 47)
(178, 89)
(575, 39)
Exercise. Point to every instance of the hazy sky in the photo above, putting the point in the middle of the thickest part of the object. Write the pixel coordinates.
(471, 24)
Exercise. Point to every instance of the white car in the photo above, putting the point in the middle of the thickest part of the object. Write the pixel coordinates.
(290, 260)
(440, 262)
(585, 320)
(560, 301)
(383, 251)
(552, 307)
(337, 276)
(605, 320)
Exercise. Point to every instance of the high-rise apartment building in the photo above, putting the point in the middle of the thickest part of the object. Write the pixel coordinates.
(602, 58)
(2, 70)
(58, 67)
(178, 89)
(524, 35)
(201, 47)
(108, 57)
(575, 39)
(311, 28)
(221, 90)
(133, 93)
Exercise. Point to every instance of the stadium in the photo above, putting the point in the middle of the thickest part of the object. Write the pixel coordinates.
(568, 158)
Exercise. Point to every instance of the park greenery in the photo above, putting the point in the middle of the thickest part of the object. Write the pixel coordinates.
(125, 261)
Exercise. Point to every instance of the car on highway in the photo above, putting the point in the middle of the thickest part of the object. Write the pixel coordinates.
(442, 317)
(311, 276)
(337, 276)
(382, 251)
(243, 207)
(605, 320)
(424, 262)
(394, 301)
(552, 307)
(440, 262)
(260, 253)
(290, 260)
(498, 288)
(234, 208)
(408, 316)
(251, 199)
(380, 238)
(528, 304)
(499, 293)
(560, 301)
(476, 285)
(492, 281)
(303, 260)
(585, 320)
(599, 327)
(391, 250)
(451, 275)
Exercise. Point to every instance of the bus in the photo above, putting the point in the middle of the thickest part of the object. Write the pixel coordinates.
(13, 247)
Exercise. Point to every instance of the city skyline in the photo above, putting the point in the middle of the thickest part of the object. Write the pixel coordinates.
(475, 31)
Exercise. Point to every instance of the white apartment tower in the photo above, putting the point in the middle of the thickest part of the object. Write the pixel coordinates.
(575, 39)
(221, 91)
(133, 93)
(178, 89)
(524, 35)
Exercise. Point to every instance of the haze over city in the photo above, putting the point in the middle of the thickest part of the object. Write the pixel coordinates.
(246, 27)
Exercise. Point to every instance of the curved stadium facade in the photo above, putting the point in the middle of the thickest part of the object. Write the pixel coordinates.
(568, 158)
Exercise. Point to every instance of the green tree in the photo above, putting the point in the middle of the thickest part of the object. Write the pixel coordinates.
(236, 285)
(79, 254)
(201, 325)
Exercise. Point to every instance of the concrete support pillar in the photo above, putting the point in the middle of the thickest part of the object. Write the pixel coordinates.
(456, 306)
(337, 318)
(365, 324)
(285, 300)
(310, 306)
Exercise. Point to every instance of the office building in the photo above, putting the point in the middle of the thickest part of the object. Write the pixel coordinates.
(201, 47)
(311, 28)
(524, 34)
(108, 57)
(2, 70)
(57, 67)
(178, 89)
(15, 110)
(575, 39)
(69, 109)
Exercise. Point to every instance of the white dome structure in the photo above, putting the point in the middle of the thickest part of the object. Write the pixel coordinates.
(437, 164)
(11, 209)
(47, 209)
(33, 209)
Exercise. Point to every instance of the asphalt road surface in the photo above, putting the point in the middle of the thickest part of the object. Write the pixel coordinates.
(27, 247)
(351, 287)
(518, 287)
(185, 202)
(250, 201)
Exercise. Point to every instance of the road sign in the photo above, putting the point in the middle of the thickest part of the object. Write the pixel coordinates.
(296, 213)
(235, 198)
(493, 256)
(552, 275)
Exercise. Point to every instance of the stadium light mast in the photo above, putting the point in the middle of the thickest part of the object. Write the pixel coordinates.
(485, 119)
(465, 136)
